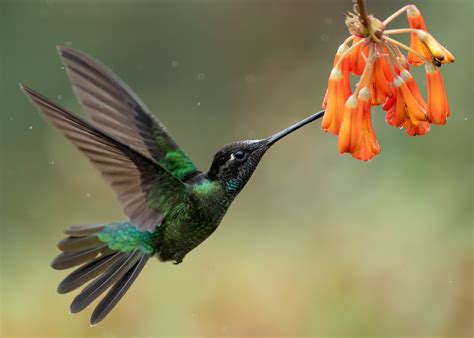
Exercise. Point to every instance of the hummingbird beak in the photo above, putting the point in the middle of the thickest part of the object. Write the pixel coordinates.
(272, 139)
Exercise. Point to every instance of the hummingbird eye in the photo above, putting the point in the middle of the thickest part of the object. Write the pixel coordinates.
(239, 155)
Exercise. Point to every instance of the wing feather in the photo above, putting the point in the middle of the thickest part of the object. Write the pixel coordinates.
(130, 173)
(114, 107)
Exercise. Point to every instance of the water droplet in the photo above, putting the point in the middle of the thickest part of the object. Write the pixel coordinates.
(30, 127)
(199, 104)
(465, 119)
(11, 118)
(60, 97)
(324, 37)
(250, 78)
(201, 76)
(88, 195)
(175, 64)
(139, 67)
(52, 162)
(68, 44)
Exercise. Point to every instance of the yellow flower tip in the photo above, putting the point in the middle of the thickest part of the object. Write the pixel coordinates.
(341, 49)
(403, 61)
(364, 94)
(449, 57)
(398, 81)
(413, 12)
(336, 74)
(351, 102)
(415, 20)
(405, 75)
(430, 69)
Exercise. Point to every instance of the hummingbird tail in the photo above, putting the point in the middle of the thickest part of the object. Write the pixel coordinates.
(101, 257)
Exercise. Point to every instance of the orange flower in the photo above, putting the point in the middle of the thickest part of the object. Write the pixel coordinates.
(371, 53)
(357, 135)
(339, 89)
(335, 102)
(438, 107)
(415, 21)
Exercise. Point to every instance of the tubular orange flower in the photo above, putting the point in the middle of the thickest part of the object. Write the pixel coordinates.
(347, 133)
(357, 135)
(335, 102)
(339, 89)
(385, 78)
(415, 21)
(438, 107)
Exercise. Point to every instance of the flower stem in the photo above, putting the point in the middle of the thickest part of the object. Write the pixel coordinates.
(392, 51)
(363, 13)
(396, 14)
(402, 31)
(411, 50)
(367, 72)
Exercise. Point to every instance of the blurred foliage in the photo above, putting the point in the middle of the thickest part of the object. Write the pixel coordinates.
(317, 244)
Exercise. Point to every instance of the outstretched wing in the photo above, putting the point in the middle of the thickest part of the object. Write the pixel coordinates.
(131, 174)
(116, 109)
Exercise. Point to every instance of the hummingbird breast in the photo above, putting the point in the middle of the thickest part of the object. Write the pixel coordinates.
(191, 222)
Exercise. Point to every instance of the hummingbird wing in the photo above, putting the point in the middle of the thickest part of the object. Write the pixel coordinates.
(131, 174)
(116, 109)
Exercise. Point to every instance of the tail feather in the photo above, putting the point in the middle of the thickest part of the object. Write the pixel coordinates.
(86, 272)
(68, 260)
(102, 283)
(117, 291)
(69, 244)
(98, 265)
(83, 230)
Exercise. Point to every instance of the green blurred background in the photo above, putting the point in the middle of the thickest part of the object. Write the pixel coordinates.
(317, 244)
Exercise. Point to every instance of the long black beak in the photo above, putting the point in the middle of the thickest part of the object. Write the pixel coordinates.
(272, 139)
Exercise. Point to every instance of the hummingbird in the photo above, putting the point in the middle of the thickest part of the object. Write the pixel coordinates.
(171, 205)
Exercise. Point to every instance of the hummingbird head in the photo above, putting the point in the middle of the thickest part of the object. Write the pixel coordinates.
(234, 163)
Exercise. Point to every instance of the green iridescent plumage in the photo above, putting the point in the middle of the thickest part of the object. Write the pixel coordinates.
(125, 237)
(178, 164)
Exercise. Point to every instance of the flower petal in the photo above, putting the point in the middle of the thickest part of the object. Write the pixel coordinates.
(411, 83)
(438, 107)
(335, 100)
(415, 21)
